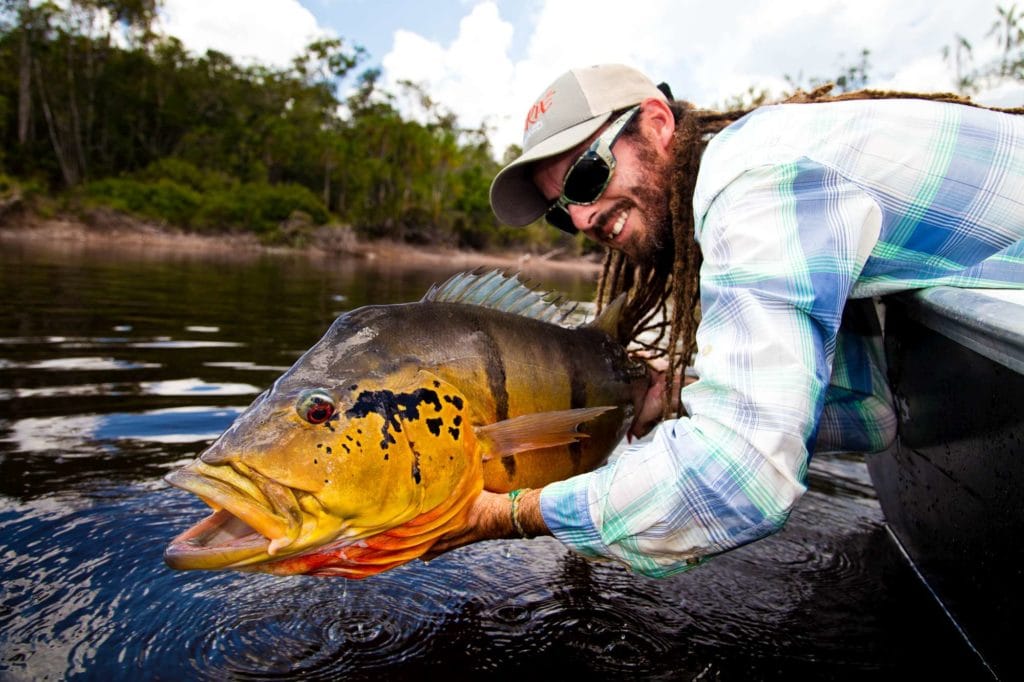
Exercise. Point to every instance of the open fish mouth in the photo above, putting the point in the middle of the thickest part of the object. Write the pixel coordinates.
(254, 518)
(221, 540)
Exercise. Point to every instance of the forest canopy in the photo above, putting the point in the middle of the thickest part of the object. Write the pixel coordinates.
(98, 110)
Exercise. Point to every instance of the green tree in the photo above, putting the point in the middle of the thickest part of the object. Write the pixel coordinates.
(62, 58)
(854, 76)
(205, 142)
(1007, 30)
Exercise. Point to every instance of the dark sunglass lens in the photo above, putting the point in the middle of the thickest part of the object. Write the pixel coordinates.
(560, 218)
(587, 179)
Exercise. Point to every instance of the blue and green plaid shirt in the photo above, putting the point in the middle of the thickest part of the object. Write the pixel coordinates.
(800, 208)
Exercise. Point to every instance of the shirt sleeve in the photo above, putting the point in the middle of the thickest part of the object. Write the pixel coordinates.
(782, 245)
(859, 415)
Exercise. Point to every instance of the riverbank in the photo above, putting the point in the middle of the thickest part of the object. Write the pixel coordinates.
(120, 232)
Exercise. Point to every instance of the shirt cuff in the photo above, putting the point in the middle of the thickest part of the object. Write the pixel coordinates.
(566, 511)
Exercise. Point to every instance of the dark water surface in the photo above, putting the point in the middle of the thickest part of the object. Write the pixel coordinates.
(117, 367)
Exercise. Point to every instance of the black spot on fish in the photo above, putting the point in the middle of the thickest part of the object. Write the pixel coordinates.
(385, 456)
(359, 431)
(437, 384)
(354, 387)
(576, 454)
(319, 445)
(348, 438)
(577, 398)
(329, 450)
(358, 444)
(458, 420)
(394, 408)
(315, 461)
(496, 380)
(454, 432)
(329, 426)
(326, 481)
(454, 400)
(435, 426)
(346, 448)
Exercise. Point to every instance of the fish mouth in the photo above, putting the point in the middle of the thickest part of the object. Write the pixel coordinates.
(254, 518)
(221, 540)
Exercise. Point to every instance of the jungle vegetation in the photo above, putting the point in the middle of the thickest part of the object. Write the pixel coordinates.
(97, 111)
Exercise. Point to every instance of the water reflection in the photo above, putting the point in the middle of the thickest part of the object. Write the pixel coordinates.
(183, 344)
(81, 364)
(90, 421)
(177, 387)
(251, 366)
(69, 435)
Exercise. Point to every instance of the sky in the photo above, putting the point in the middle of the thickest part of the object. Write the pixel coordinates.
(488, 60)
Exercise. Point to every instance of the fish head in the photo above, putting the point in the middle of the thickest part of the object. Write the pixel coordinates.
(310, 470)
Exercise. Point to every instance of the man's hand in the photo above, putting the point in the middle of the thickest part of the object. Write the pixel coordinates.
(653, 406)
(490, 518)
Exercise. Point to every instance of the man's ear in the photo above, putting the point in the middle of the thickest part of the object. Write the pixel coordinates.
(657, 121)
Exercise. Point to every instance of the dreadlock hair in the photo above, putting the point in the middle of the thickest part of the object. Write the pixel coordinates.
(663, 296)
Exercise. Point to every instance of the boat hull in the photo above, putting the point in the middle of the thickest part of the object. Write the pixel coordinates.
(952, 485)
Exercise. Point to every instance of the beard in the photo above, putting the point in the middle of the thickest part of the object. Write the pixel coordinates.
(650, 197)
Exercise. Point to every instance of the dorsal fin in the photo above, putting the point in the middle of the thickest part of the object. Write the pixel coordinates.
(608, 319)
(498, 291)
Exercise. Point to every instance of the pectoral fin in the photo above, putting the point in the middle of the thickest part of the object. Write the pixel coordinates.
(535, 431)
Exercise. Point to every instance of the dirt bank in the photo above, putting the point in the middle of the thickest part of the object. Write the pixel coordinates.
(124, 232)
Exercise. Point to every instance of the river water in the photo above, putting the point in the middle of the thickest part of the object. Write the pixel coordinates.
(119, 365)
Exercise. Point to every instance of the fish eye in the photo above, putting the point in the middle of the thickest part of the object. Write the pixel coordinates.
(315, 406)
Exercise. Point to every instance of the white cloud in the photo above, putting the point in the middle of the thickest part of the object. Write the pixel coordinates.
(706, 51)
(472, 77)
(269, 31)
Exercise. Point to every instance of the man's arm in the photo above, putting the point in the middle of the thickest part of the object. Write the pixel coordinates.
(490, 518)
(783, 246)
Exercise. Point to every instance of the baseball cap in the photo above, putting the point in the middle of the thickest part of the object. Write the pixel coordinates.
(568, 112)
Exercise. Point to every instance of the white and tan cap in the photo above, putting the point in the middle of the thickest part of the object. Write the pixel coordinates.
(569, 111)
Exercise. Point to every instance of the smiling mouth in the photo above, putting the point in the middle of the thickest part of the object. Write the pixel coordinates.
(608, 229)
(617, 226)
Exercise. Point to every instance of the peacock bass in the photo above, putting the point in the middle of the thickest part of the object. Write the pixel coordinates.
(377, 440)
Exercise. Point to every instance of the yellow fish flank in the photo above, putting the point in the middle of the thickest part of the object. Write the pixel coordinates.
(378, 439)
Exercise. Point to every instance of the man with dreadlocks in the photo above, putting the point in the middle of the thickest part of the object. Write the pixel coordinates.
(758, 240)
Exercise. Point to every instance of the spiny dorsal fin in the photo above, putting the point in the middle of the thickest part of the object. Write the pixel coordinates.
(608, 319)
(498, 291)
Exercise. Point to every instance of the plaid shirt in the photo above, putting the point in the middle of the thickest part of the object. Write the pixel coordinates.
(800, 208)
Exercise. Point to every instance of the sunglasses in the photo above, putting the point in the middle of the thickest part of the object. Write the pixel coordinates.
(588, 177)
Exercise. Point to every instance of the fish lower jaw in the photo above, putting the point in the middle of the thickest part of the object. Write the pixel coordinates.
(221, 540)
(240, 519)
(225, 540)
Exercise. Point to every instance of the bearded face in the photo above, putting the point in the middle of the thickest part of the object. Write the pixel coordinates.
(650, 194)
(632, 214)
